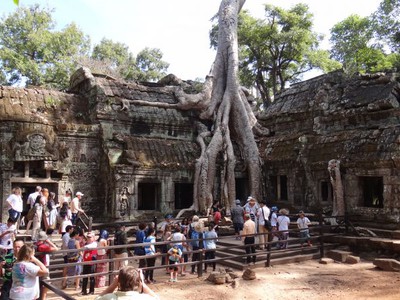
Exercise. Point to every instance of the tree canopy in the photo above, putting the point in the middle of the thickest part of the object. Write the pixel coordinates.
(279, 49)
(32, 51)
(369, 44)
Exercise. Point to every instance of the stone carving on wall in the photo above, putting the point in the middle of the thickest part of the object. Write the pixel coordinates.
(35, 145)
(123, 206)
(338, 194)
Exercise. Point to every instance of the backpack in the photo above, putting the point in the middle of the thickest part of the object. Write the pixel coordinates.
(195, 235)
(62, 213)
(31, 213)
(42, 256)
(89, 255)
(118, 238)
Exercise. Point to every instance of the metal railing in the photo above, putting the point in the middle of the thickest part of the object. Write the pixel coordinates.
(318, 235)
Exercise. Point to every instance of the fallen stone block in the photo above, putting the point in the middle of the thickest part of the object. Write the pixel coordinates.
(387, 264)
(338, 255)
(352, 260)
(249, 274)
(326, 260)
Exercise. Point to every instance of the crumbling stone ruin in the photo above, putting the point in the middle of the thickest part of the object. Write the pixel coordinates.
(132, 160)
(333, 117)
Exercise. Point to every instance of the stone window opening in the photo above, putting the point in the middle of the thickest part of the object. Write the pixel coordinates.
(372, 191)
(279, 187)
(326, 192)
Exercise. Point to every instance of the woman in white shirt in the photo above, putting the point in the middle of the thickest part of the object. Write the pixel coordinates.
(25, 275)
(16, 205)
(283, 227)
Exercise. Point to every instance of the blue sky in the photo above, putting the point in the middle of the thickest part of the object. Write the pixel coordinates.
(179, 28)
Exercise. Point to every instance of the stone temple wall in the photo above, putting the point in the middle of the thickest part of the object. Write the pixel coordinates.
(354, 120)
(132, 160)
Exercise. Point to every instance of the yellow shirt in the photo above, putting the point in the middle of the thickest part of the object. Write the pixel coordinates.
(249, 227)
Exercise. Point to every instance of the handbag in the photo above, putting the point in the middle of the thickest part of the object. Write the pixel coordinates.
(31, 214)
(267, 222)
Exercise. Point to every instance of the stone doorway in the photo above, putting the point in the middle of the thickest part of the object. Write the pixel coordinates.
(29, 187)
(149, 195)
(183, 195)
(242, 191)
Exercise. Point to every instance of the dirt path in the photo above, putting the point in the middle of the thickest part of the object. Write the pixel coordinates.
(308, 280)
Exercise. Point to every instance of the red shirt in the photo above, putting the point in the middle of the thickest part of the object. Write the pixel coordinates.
(46, 248)
(217, 217)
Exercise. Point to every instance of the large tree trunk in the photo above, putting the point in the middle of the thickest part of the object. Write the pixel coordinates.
(232, 119)
(223, 102)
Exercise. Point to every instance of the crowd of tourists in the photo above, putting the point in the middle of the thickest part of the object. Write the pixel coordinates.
(182, 241)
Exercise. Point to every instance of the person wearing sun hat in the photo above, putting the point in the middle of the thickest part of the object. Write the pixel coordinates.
(274, 221)
(302, 224)
(283, 227)
(76, 207)
(44, 246)
(251, 208)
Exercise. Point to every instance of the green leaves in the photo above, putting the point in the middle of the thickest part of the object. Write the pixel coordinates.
(369, 44)
(277, 50)
(16, 2)
(31, 51)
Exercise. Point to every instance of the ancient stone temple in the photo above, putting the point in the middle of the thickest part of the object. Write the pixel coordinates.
(354, 121)
(128, 159)
(131, 159)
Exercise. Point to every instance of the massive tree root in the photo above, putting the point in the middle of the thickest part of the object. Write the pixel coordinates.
(224, 103)
(232, 119)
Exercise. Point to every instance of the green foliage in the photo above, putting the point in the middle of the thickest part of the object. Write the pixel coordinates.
(369, 44)
(51, 101)
(386, 24)
(116, 58)
(279, 49)
(32, 51)
(150, 65)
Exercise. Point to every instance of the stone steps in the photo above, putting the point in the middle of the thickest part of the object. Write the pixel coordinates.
(233, 254)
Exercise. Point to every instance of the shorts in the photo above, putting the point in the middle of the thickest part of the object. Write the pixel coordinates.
(173, 265)
(238, 227)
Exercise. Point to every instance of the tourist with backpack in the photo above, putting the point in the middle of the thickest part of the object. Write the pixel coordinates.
(139, 250)
(150, 251)
(89, 255)
(210, 245)
(120, 238)
(196, 235)
(44, 246)
(264, 225)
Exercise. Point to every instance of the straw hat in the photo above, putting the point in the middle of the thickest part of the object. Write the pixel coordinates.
(199, 226)
(283, 211)
(42, 236)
